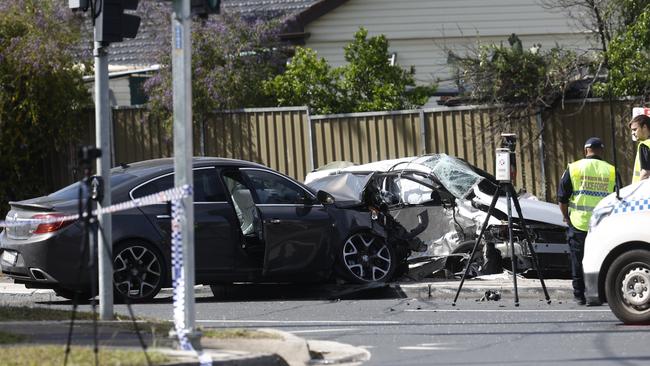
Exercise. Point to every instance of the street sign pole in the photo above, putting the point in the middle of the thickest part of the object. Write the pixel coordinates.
(102, 140)
(183, 150)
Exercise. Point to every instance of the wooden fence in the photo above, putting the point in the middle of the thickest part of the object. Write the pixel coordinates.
(293, 142)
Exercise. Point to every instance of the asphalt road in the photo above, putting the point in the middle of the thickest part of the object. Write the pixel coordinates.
(406, 331)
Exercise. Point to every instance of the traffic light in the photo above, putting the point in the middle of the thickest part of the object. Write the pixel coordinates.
(112, 25)
(203, 8)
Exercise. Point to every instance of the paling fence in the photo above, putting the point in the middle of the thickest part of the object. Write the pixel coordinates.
(293, 142)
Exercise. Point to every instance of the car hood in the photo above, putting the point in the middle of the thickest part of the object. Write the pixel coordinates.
(531, 208)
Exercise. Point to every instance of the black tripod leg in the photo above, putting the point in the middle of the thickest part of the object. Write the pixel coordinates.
(511, 244)
(128, 303)
(478, 240)
(530, 245)
(82, 254)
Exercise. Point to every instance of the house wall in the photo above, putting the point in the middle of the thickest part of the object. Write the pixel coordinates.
(422, 31)
(119, 93)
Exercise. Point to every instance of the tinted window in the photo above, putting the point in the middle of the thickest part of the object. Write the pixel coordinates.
(274, 189)
(206, 186)
(71, 192)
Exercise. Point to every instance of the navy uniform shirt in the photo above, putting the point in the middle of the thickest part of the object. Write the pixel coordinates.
(644, 157)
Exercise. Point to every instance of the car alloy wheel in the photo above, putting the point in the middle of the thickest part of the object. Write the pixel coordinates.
(137, 271)
(627, 287)
(368, 258)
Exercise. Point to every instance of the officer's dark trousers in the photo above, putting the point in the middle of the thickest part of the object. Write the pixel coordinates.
(576, 239)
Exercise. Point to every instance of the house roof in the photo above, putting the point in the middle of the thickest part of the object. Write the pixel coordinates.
(154, 33)
(141, 51)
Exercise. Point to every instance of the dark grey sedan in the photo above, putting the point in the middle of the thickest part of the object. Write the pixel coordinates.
(252, 224)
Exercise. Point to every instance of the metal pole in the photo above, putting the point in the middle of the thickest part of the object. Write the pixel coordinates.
(102, 140)
(182, 84)
(542, 153)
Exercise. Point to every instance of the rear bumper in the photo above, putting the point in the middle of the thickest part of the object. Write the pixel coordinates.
(48, 261)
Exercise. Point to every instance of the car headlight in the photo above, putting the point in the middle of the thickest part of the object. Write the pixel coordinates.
(599, 214)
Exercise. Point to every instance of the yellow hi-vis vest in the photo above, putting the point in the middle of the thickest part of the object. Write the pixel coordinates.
(636, 175)
(592, 180)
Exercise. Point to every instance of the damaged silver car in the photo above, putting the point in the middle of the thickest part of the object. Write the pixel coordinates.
(434, 205)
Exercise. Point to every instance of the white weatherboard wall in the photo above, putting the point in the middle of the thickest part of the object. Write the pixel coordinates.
(421, 31)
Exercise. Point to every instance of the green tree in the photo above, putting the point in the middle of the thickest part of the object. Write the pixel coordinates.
(308, 80)
(372, 84)
(41, 91)
(366, 83)
(628, 60)
(231, 57)
(514, 76)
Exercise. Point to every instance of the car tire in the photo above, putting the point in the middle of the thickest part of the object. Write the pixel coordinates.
(138, 271)
(221, 291)
(627, 287)
(366, 258)
(455, 265)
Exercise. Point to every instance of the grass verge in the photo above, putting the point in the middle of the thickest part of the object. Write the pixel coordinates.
(10, 338)
(54, 356)
(12, 313)
(238, 333)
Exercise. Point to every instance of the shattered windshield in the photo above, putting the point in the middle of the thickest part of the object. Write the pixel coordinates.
(454, 174)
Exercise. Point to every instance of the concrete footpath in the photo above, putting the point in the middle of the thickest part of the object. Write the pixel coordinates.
(281, 348)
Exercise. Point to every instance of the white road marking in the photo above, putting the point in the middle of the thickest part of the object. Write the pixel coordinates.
(331, 322)
(324, 330)
(507, 310)
(429, 347)
(423, 348)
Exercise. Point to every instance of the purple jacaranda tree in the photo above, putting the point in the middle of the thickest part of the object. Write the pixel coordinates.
(41, 91)
(231, 57)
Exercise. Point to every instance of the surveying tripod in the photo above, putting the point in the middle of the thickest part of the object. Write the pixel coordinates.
(511, 196)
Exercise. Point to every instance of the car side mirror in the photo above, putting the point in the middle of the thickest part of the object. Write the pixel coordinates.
(325, 198)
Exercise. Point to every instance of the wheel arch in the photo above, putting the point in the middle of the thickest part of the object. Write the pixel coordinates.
(611, 257)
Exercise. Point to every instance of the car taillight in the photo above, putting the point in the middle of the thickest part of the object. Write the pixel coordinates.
(50, 227)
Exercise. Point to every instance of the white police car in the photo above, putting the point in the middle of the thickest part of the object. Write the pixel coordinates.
(617, 254)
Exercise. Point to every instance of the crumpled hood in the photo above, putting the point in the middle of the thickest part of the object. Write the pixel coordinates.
(531, 208)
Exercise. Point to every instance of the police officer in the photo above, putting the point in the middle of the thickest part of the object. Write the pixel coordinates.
(583, 184)
(640, 126)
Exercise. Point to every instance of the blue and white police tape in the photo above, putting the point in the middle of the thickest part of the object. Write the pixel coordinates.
(160, 197)
(178, 283)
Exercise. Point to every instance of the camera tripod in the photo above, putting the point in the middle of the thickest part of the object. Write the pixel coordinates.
(88, 251)
(511, 196)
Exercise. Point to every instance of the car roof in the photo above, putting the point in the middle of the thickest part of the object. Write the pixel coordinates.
(148, 167)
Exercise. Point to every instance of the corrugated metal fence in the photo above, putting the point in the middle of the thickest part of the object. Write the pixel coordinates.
(293, 142)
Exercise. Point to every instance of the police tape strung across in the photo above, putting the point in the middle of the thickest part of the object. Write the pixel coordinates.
(174, 195)
(178, 284)
(160, 197)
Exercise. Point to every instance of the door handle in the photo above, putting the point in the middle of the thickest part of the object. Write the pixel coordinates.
(274, 221)
(163, 217)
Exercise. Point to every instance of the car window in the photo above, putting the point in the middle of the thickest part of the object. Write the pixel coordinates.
(71, 192)
(206, 186)
(412, 191)
(274, 189)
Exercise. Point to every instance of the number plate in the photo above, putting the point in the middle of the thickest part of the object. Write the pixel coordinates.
(9, 257)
